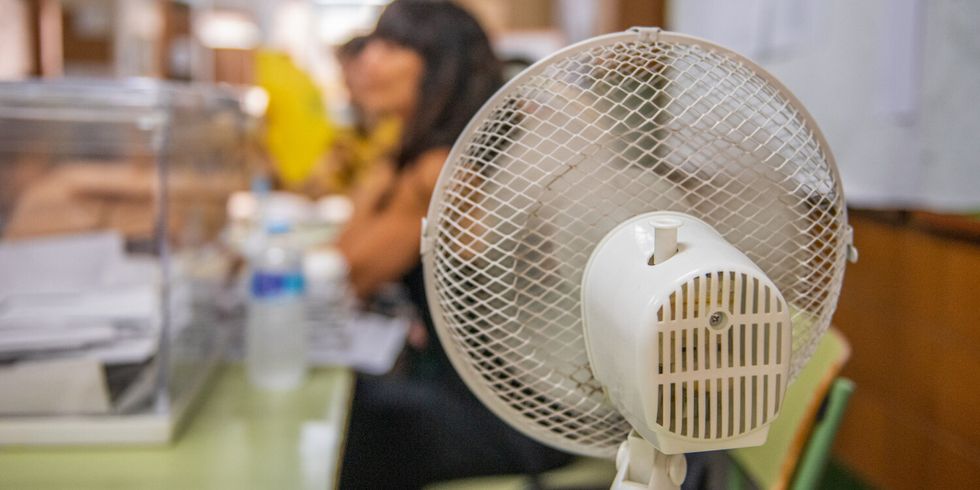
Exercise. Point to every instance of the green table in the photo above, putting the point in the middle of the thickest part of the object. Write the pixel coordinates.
(239, 437)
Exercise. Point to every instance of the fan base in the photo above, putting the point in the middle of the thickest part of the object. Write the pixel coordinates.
(639, 465)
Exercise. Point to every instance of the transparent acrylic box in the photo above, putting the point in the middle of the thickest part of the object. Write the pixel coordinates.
(112, 273)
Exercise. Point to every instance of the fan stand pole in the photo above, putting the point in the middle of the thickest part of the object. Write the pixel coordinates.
(639, 466)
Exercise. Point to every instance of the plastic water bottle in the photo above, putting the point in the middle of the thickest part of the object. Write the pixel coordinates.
(276, 333)
(329, 300)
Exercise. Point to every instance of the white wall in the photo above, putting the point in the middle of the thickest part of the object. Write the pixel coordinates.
(15, 51)
(894, 85)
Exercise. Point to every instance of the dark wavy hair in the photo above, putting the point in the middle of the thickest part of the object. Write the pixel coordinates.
(461, 71)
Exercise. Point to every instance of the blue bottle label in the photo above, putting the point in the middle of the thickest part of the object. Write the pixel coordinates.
(276, 284)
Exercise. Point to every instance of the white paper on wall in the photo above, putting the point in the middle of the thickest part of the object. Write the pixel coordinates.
(892, 85)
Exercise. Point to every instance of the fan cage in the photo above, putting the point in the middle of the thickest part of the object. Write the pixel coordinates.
(595, 134)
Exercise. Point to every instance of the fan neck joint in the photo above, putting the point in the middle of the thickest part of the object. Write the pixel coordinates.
(647, 34)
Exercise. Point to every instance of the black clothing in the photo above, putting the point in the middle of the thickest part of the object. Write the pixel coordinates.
(425, 426)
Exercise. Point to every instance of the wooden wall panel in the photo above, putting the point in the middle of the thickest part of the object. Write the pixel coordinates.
(962, 304)
(500, 16)
(909, 310)
(80, 48)
(891, 448)
(643, 13)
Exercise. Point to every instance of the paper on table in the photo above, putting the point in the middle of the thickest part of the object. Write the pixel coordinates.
(132, 303)
(59, 334)
(81, 296)
(73, 386)
(375, 342)
(120, 351)
(371, 345)
(71, 264)
(61, 264)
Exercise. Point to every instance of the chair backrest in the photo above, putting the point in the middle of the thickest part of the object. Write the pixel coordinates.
(799, 440)
(811, 467)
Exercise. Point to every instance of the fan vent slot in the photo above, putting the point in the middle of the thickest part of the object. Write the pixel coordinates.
(716, 382)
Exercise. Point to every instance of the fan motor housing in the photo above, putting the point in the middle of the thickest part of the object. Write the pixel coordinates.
(694, 350)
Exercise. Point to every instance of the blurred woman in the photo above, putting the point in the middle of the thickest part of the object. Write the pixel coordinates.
(369, 139)
(430, 64)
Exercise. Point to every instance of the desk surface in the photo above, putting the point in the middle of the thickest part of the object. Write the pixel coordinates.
(238, 438)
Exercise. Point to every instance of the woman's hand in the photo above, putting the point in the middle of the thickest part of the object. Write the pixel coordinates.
(381, 242)
(368, 197)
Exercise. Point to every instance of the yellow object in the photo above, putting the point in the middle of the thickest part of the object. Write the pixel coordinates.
(298, 130)
(367, 149)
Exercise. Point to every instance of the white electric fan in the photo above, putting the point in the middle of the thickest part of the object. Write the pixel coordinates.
(634, 247)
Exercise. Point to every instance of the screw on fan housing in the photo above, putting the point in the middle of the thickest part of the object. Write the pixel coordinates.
(718, 320)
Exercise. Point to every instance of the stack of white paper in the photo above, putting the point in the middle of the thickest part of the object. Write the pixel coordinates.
(71, 299)
(372, 344)
(75, 295)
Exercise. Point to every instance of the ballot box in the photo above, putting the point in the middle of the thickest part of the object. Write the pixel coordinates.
(112, 272)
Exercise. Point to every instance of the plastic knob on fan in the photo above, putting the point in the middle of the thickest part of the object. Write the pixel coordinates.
(664, 238)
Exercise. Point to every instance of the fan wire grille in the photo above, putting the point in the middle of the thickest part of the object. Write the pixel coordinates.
(568, 151)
